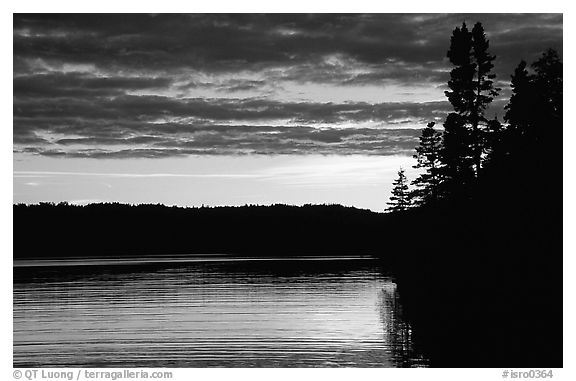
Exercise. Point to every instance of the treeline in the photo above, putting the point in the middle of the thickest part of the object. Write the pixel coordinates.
(112, 229)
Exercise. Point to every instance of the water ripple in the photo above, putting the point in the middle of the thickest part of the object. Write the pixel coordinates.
(209, 314)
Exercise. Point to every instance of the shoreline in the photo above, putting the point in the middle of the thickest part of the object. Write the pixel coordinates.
(206, 258)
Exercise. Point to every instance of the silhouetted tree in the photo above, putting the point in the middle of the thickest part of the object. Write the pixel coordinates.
(549, 82)
(534, 113)
(456, 172)
(548, 88)
(428, 158)
(521, 107)
(497, 141)
(471, 90)
(400, 199)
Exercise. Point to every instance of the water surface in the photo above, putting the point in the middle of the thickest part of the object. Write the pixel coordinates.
(209, 312)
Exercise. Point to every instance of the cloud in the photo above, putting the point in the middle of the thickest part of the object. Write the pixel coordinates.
(156, 108)
(44, 174)
(228, 42)
(153, 126)
(233, 140)
(81, 85)
(138, 85)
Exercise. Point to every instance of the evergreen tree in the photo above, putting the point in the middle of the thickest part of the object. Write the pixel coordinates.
(534, 115)
(400, 199)
(548, 83)
(496, 141)
(548, 90)
(521, 107)
(461, 83)
(471, 88)
(456, 157)
(428, 158)
(529, 147)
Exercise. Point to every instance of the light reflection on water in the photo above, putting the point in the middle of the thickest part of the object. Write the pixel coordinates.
(227, 314)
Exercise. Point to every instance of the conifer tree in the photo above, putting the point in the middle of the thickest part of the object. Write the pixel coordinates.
(400, 199)
(471, 88)
(534, 113)
(548, 81)
(521, 106)
(428, 158)
(497, 140)
(456, 157)
(548, 89)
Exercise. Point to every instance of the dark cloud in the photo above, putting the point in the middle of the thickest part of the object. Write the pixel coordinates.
(81, 85)
(229, 42)
(117, 85)
(234, 140)
(195, 126)
(154, 108)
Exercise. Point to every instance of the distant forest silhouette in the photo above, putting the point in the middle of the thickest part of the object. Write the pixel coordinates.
(63, 230)
(475, 242)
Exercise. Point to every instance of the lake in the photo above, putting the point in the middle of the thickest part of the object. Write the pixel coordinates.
(209, 312)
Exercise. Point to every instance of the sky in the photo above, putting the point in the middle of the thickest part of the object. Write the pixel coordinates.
(192, 109)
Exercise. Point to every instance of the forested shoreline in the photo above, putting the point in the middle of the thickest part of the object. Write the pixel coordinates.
(482, 283)
(64, 230)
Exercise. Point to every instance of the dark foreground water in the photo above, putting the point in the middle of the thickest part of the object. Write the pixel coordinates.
(216, 313)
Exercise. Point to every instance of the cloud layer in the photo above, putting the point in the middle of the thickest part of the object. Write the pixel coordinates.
(171, 85)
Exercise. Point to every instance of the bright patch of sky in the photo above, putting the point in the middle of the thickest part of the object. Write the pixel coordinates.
(354, 180)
